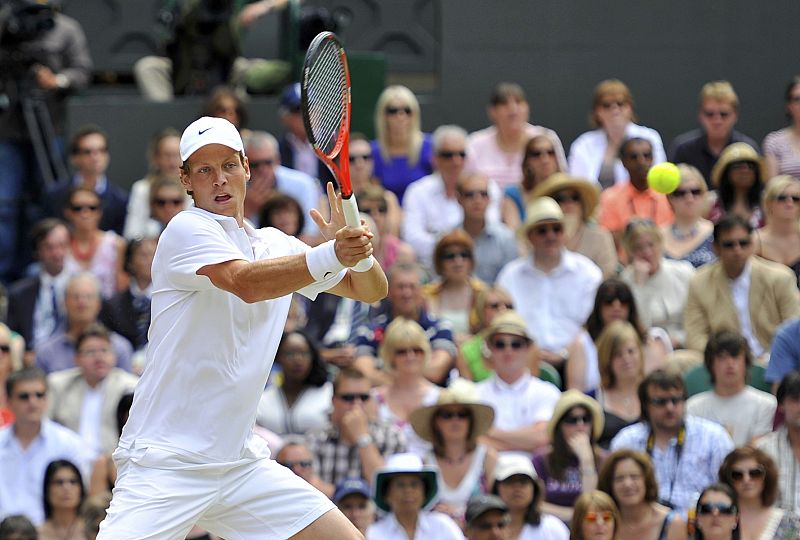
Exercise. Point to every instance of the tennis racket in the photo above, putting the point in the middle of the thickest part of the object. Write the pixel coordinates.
(325, 94)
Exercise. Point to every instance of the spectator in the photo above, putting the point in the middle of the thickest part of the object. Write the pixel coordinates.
(406, 489)
(738, 178)
(719, 293)
(17, 527)
(518, 486)
(686, 450)
(453, 426)
(578, 199)
(596, 154)
(352, 496)
(659, 284)
(487, 518)
(552, 287)
(296, 456)
(431, 204)
(93, 512)
(352, 445)
(388, 249)
(783, 445)
(596, 517)
(718, 515)
(785, 353)
(63, 67)
(401, 152)
(128, 311)
(6, 367)
(90, 157)
(570, 467)
(538, 164)
(300, 401)
(82, 301)
(164, 160)
(746, 413)
(362, 168)
(488, 303)
(30, 444)
(404, 300)
(498, 151)
(85, 398)
(779, 239)
(64, 493)
(718, 112)
(628, 477)
(225, 102)
(690, 237)
(36, 303)
(294, 150)
(621, 203)
(167, 199)
(495, 245)
(781, 154)
(753, 476)
(91, 249)
(522, 403)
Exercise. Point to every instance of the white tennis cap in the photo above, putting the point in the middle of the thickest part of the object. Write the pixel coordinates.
(209, 130)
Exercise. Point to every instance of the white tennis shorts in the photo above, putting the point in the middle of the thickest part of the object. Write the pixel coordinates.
(256, 499)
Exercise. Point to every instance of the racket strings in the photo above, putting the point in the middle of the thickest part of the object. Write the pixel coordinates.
(327, 98)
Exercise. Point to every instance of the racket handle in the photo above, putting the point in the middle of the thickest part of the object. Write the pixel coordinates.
(352, 218)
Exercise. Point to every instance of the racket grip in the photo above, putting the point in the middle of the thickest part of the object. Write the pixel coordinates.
(352, 218)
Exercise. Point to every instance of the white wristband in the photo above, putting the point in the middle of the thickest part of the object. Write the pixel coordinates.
(322, 261)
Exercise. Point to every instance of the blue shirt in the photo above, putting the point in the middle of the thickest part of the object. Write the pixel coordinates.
(785, 354)
(396, 174)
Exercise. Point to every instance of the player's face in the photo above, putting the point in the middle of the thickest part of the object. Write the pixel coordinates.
(28, 401)
(95, 357)
(217, 179)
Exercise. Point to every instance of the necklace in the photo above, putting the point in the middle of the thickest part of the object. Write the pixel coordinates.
(684, 236)
(84, 254)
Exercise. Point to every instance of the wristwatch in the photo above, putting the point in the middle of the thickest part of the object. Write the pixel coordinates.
(364, 441)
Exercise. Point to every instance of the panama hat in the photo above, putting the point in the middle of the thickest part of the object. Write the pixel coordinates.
(574, 398)
(589, 192)
(405, 463)
(540, 210)
(737, 152)
(509, 322)
(460, 392)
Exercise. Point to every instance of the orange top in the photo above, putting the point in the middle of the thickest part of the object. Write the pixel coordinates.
(620, 203)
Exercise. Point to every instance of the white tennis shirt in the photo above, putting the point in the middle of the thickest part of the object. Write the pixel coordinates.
(209, 352)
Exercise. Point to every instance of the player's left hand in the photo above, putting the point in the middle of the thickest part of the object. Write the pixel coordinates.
(329, 228)
(352, 245)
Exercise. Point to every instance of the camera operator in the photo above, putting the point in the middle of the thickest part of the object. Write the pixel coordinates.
(44, 57)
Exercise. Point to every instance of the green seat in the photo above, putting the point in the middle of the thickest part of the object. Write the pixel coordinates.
(699, 380)
(550, 374)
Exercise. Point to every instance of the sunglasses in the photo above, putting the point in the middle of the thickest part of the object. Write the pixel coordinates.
(457, 254)
(409, 350)
(449, 415)
(680, 193)
(303, 464)
(81, 207)
(612, 104)
(363, 157)
(397, 110)
(593, 517)
(730, 244)
(64, 482)
(498, 305)
(482, 193)
(501, 344)
(255, 164)
(542, 230)
(755, 474)
(26, 396)
(447, 154)
(612, 299)
(170, 202)
(350, 398)
(5, 348)
(574, 420)
(783, 198)
(722, 508)
(712, 114)
(540, 153)
(662, 401)
(562, 198)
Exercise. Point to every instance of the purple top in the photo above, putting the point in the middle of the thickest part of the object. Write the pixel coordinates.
(396, 174)
(561, 492)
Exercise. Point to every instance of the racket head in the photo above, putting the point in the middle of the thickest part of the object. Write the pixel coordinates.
(325, 104)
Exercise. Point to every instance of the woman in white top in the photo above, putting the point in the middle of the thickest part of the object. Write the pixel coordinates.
(405, 351)
(779, 239)
(453, 426)
(301, 399)
(782, 147)
(595, 154)
(517, 484)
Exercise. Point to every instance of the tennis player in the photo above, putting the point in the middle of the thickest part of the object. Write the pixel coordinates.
(221, 294)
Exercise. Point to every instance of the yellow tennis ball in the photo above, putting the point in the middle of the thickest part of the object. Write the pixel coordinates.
(664, 177)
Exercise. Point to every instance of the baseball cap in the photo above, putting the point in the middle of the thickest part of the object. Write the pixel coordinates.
(512, 464)
(480, 504)
(349, 486)
(209, 130)
(290, 98)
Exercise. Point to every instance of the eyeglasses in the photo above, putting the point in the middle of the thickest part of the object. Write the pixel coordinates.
(721, 114)
(662, 401)
(638, 155)
(448, 154)
(449, 415)
(617, 297)
(680, 193)
(722, 508)
(594, 517)
(456, 255)
(783, 198)
(409, 350)
(730, 244)
(94, 352)
(482, 193)
(501, 344)
(350, 398)
(612, 104)
(574, 420)
(498, 305)
(90, 151)
(77, 208)
(542, 230)
(363, 157)
(5, 348)
(64, 482)
(26, 396)
(255, 164)
(303, 464)
(397, 110)
(755, 474)
(168, 202)
(562, 198)
(540, 153)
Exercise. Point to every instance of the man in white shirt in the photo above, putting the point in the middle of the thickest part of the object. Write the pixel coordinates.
(745, 412)
(552, 288)
(430, 204)
(523, 404)
(29, 444)
(222, 292)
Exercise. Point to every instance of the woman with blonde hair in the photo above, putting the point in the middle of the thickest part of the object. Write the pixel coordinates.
(401, 153)
(690, 237)
(596, 517)
(488, 303)
(595, 154)
(779, 239)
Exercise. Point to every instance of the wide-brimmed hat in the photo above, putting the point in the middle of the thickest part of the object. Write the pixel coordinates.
(588, 192)
(540, 210)
(405, 463)
(737, 152)
(460, 392)
(574, 398)
(507, 322)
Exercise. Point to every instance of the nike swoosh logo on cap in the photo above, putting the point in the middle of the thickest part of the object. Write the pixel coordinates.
(204, 130)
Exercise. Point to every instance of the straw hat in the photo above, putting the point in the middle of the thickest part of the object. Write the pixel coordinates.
(540, 210)
(737, 152)
(405, 463)
(507, 322)
(460, 392)
(589, 192)
(574, 398)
